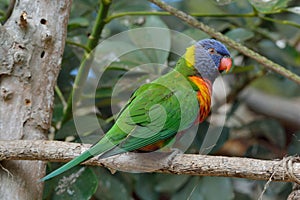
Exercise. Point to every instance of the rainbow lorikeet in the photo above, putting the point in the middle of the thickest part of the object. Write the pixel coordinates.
(158, 110)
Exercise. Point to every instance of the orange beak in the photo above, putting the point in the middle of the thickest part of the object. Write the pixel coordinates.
(225, 64)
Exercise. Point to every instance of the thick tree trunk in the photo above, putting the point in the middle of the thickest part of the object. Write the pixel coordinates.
(31, 47)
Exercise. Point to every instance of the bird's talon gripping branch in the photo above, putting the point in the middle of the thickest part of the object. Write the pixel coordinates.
(173, 154)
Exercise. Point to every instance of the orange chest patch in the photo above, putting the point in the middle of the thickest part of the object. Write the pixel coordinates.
(203, 96)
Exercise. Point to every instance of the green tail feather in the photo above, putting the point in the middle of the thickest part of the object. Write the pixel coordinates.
(83, 157)
(102, 146)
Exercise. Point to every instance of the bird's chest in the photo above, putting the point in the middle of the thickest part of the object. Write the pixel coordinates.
(203, 97)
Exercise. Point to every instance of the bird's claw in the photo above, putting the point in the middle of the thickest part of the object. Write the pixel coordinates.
(173, 154)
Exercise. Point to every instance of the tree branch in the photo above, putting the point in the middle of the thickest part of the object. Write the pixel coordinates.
(202, 165)
(239, 47)
(266, 104)
(295, 194)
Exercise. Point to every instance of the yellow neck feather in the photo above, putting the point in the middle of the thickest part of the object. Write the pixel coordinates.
(190, 56)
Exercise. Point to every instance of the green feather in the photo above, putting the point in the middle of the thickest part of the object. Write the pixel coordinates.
(101, 146)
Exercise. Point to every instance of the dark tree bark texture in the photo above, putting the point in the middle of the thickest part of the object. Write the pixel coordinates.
(31, 47)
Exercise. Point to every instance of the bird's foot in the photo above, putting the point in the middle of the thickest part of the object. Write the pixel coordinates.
(173, 154)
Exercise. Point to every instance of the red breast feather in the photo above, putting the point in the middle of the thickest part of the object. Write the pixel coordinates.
(203, 96)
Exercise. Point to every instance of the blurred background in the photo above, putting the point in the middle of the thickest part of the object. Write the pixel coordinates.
(262, 108)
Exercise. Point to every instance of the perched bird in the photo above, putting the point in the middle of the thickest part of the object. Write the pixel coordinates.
(158, 110)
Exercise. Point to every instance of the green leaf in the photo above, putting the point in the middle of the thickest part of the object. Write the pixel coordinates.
(235, 105)
(103, 92)
(190, 191)
(110, 187)
(259, 151)
(57, 113)
(68, 129)
(270, 5)
(242, 69)
(152, 36)
(203, 6)
(78, 22)
(295, 10)
(269, 129)
(275, 190)
(135, 5)
(281, 4)
(170, 183)
(240, 34)
(205, 188)
(196, 34)
(222, 139)
(145, 189)
(83, 7)
(278, 86)
(223, 2)
(77, 183)
(285, 55)
(216, 188)
(84, 125)
(241, 196)
(69, 63)
(294, 146)
(209, 138)
(122, 49)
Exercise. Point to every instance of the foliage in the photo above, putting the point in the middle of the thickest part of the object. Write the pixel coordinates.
(269, 27)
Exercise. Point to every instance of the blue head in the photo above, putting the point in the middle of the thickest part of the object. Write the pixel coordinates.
(211, 57)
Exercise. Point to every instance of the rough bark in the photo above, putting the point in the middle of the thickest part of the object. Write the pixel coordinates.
(31, 46)
(287, 169)
(295, 194)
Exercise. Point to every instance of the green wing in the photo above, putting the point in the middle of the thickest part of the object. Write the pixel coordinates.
(149, 117)
(154, 113)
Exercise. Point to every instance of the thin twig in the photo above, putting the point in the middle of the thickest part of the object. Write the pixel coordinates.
(285, 22)
(60, 96)
(145, 13)
(78, 45)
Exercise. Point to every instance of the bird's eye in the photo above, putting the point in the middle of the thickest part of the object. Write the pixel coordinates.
(212, 51)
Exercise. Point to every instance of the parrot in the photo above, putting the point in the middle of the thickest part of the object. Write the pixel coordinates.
(158, 110)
